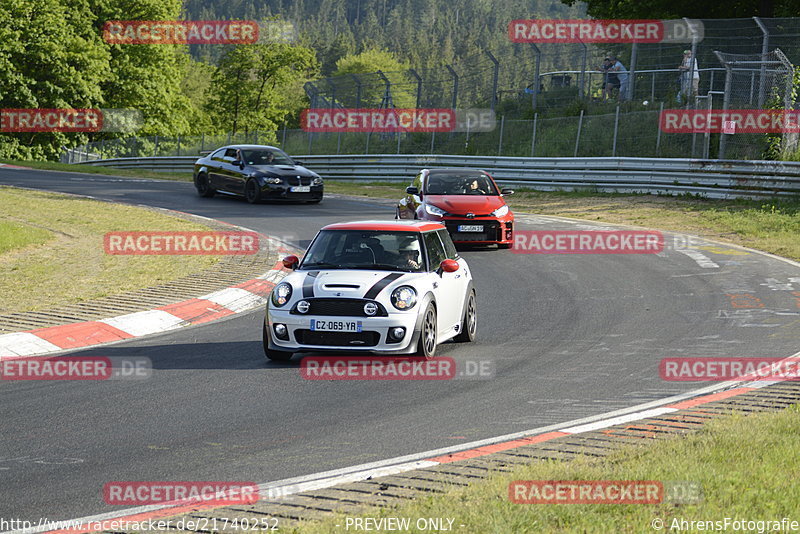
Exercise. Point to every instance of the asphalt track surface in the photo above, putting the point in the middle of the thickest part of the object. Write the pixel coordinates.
(570, 335)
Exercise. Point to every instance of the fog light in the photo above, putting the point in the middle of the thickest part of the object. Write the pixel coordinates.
(370, 308)
(303, 306)
(281, 331)
(397, 333)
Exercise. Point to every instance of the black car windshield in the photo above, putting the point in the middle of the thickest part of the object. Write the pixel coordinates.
(263, 156)
(365, 249)
(460, 184)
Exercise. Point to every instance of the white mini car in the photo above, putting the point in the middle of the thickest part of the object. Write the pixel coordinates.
(388, 287)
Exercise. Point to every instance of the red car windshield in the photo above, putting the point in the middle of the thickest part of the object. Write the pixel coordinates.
(460, 184)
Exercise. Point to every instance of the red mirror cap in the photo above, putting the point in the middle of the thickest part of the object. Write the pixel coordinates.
(449, 266)
(290, 262)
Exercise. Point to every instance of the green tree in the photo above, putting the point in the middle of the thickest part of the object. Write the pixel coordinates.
(50, 57)
(255, 87)
(365, 66)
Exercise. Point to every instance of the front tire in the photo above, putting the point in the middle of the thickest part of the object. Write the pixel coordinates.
(252, 192)
(426, 346)
(273, 355)
(203, 186)
(469, 324)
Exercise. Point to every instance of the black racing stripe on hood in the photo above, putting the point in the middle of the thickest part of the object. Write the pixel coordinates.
(308, 284)
(380, 284)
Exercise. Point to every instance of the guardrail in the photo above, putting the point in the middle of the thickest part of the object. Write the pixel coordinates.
(707, 178)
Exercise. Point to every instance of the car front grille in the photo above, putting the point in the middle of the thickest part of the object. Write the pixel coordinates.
(491, 230)
(337, 339)
(298, 180)
(339, 307)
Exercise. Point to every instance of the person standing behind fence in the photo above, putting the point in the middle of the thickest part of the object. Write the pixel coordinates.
(610, 79)
(622, 74)
(690, 77)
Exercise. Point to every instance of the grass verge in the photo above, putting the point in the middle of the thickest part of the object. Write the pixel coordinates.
(746, 467)
(51, 250)
(106, 171)
(769, 225)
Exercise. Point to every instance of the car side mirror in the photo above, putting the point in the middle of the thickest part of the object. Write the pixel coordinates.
(449, 266)
(506, 191)
(300, 163)
(239, 163)
(411, 190)
(291, 262)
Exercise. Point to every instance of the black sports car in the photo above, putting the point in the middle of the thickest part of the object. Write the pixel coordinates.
(256, 172)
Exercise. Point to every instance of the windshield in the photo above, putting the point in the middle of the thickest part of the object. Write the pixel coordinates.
(266, 157)
(460, 184)
(360, 249)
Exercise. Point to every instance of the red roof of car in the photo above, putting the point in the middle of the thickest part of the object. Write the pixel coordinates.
(387, 226)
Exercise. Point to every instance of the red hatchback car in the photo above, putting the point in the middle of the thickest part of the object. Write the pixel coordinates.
(467, 201)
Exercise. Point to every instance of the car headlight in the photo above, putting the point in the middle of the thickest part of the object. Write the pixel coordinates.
(404, 297)
(433, 210)
(281, 294)
(273, 180)
(317, 181)
(501, 211)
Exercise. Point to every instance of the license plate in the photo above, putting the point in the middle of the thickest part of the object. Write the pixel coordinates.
(335, 326)
(301, 189)
(470, 228)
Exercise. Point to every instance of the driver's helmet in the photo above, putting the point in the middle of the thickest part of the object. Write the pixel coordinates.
(410, 249)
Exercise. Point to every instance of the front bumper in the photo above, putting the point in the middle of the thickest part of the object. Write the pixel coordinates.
(374, 335)
(495, 230)
(284, 192)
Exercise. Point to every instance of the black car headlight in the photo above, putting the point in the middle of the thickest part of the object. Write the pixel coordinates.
(317, 181)
(273, 180)
(281, 294)
(404, 297)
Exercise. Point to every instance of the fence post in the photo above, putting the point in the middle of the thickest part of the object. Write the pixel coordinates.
(502, 127)
(283, 143)
(338, 143)
(179, 145)
(455, 85)
(433, 139)
(533, 137)
(309, 142)
(399, 136)
(583, 70)
(366, 148)
(616, 129)
(762, 87)
(419, 86)
(155, 147)
(536, 81)
(658, 130)
(578, 135)
(202, 142)
(494, 78)
(723, 138)
(632, 71)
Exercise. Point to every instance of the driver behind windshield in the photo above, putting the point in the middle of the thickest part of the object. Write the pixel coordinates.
(475, 188)
(409, 255)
